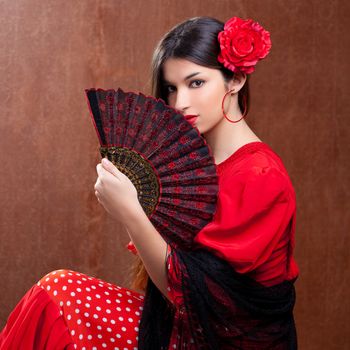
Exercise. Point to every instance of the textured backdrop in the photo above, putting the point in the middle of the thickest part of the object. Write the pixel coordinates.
(49, 217)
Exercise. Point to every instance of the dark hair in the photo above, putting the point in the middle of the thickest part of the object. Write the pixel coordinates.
(196, 40)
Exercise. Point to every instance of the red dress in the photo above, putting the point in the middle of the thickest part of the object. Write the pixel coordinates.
(253, 228)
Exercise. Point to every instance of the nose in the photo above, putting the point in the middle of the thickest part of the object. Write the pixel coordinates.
(182, 101)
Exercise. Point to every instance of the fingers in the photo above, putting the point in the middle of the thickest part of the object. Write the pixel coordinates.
(109, 166)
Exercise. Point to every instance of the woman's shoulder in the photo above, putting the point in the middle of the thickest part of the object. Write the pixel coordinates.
(255, 162)
(252, 157)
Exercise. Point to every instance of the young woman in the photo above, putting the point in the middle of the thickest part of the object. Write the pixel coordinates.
(235, 288)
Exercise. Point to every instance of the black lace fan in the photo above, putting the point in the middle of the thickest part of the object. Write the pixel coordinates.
(164, 156)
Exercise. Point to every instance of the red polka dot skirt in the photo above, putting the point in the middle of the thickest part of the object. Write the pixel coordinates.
(70, 310)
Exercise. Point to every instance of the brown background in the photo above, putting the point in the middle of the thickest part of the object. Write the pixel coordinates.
(52, 50)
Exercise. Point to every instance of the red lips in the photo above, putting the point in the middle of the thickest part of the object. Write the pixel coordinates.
(191, 118)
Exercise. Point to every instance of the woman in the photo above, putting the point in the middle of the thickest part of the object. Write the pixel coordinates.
(235, 288)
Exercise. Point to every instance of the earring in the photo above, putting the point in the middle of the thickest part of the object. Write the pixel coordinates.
(223, 111)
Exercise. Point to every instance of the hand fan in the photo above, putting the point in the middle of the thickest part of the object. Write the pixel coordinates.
(163, 155)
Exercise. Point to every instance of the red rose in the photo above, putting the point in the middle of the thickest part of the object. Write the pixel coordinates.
(243, 43)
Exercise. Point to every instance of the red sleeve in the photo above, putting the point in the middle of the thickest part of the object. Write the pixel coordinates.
(254, 213)
(255, 217)
(174, 279)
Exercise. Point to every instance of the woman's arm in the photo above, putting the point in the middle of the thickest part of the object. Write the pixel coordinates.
(119, 197)
(150, 246)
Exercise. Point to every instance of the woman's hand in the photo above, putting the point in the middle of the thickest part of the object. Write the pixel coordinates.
(116, 192)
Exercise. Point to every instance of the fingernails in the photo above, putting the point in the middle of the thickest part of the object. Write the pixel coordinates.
(105, 161)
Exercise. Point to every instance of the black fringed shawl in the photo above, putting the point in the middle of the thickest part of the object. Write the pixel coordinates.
(222, 309)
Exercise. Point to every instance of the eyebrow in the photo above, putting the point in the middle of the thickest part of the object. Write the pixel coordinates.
(188, 77)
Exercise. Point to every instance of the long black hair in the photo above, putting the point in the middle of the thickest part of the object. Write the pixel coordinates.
(196, 40)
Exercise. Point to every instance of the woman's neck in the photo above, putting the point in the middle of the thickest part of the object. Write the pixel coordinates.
(226, 138)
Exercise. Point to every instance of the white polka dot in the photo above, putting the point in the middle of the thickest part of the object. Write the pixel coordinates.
(104, 319)
(72, 332)
(127, 309)
(98, 308)
(129, 341)
(55, 292)
(108, 311)
(78, 301)
(88, 324)
(136, 329)
(119, 336)
(64, 288)
(48, 287)
(81, 336)
(104, 345)
(99, 327)
(79, 282)
(87, 305)
(130, 319)
(107, 293)
(113, 321)
(118, 309)
(78, 289)
(68, 303)
(55, 280)
(70, 281)
(129, 301)
(99, 336)
(77, 311)
(123, 329)
(120, 295)
(84, 279)
(98, 296)
(86, 314)
(93, 287)
(63, 275)
(79, 321)
(118, 301)
(89, 336)
(95, 316)
(88, 297)
(109, 329)
(47, 279)
(72, 294)
(112, 340)
(88, 289)
(69, 317)
(108, 301)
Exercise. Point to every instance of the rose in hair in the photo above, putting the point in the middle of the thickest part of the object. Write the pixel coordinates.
(243, 43)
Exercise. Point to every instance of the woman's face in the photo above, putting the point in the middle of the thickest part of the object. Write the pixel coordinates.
(195, 90)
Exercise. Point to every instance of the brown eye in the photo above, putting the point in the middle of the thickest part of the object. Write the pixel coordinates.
(169, 89)
(197, 83)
